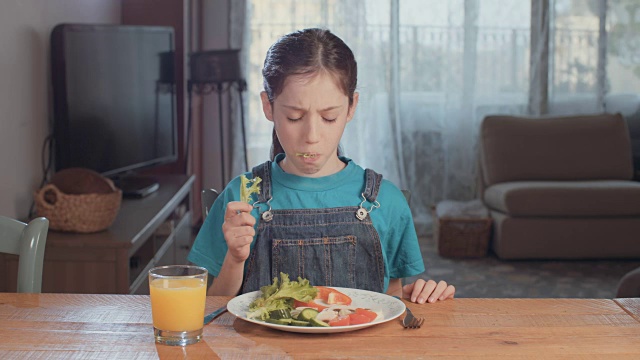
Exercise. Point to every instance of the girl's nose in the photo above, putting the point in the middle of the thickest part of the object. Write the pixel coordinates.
(312, 131)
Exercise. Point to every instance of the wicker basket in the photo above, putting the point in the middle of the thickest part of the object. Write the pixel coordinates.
(82, 213)
(462, 238)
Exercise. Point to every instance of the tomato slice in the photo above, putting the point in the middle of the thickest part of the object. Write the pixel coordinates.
(340, 321)
(323, 292)
(338, 298)
(368, 313)
(312, 304)
(332, 296)
(357, 319)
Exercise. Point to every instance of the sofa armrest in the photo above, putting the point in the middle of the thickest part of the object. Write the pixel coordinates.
(629, 285)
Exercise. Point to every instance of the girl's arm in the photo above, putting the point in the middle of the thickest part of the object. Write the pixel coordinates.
(421, 291)
(238, 233)
(229, 280)
(395, 287)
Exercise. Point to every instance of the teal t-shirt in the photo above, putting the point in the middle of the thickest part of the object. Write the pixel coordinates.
(392, 220)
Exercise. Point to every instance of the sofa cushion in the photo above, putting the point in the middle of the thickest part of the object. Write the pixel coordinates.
(586, 147)
(598, 198)
(565, 238)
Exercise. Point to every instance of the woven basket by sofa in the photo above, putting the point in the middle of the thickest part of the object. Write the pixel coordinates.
(82, 213)
(462, 238)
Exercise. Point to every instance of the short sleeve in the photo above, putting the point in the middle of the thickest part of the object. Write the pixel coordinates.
(402, 250)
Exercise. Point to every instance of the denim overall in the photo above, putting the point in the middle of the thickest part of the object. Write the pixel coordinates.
(330, 247)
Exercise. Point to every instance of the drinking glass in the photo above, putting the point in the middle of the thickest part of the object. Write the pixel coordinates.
(178, 294)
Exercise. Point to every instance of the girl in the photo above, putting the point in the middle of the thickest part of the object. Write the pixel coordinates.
(320, 216)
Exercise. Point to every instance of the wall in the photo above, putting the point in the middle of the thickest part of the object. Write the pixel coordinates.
(25, 105)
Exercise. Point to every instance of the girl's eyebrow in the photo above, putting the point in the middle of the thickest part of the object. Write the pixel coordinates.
(292, 107)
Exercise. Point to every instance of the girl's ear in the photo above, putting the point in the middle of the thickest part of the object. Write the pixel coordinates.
(266, 106)
(352, 108)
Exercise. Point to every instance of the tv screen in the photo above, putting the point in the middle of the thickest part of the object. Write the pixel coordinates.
(114, 98)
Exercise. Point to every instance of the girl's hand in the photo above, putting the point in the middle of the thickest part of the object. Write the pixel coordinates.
(422, 291)
(238, 230)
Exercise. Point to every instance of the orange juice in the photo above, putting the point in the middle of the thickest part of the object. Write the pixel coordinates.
(178, 304)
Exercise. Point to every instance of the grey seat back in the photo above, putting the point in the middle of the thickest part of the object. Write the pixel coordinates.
(28, 241)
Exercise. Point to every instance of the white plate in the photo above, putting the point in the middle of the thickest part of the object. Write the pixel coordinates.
(390, 307)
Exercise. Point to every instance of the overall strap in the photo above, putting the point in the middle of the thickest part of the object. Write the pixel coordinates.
(264, 172)
(372, 185)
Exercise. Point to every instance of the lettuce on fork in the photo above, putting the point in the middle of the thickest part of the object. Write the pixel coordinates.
(280, 296)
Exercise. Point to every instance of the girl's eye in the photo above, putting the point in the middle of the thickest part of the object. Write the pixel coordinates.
(329, 120)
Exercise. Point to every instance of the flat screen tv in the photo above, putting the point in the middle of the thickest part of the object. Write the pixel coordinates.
(114, 100)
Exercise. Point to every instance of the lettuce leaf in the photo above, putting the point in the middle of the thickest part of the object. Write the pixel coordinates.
(248, 187)
(280, 296)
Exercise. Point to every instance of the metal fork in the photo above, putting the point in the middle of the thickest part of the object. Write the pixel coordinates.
(410, 321)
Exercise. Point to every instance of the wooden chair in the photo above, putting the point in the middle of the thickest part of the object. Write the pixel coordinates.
(207, 197)
(28, 242)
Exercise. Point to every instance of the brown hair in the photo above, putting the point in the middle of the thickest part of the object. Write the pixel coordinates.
(306, 52)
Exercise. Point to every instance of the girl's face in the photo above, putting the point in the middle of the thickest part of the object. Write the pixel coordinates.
(309, 117)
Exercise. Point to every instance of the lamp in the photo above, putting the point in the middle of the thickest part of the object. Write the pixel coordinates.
(217, 71)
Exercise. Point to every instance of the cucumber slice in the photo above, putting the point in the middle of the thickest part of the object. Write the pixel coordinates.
(280, 314)
(279, 321)
(299, 323)
(319, 323)
(307, 314)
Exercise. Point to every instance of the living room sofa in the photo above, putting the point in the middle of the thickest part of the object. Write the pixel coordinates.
(629, 285)
(560, 187)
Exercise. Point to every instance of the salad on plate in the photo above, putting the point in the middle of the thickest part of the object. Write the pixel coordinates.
(298, 303)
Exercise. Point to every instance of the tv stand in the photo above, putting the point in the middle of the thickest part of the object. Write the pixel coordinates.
(136, 186)
(151, 231)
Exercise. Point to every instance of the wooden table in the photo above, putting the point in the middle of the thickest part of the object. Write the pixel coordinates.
(119, 327)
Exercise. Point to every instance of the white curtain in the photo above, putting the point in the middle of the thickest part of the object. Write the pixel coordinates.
(430, 70)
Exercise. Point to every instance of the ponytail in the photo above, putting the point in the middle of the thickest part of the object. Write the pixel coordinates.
(276, 147)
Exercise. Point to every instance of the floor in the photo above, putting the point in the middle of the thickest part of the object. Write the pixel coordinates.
(491, 277)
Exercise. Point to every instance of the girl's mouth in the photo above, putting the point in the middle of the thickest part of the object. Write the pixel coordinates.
(307, 155)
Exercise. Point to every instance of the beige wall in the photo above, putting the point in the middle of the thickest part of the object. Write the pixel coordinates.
(25, 94)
